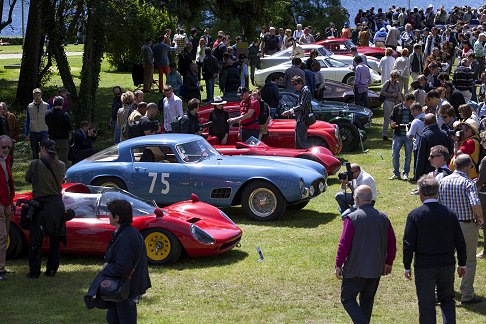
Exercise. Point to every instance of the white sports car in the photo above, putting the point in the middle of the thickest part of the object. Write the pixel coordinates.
(284, 56)
(330, 68)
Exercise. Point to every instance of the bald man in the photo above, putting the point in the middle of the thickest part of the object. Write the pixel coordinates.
(366, 250)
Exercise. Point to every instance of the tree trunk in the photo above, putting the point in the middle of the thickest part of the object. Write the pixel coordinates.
(29, 70)
(92, 57)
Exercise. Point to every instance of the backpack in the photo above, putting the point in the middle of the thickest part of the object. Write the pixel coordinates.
(134, 129)
(176, 124)
(264, 112)
(482, 154)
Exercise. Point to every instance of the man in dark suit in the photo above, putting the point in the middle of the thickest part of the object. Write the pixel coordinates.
(82, 146)
(433, 234)
(192, 87)
(431, 136)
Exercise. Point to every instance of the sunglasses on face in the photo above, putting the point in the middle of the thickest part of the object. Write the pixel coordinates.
(6, 147)
(433, 156)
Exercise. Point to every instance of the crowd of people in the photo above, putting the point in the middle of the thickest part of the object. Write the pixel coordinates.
(439, 118)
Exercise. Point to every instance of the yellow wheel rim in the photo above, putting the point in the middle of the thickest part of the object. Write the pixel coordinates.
(158, 246)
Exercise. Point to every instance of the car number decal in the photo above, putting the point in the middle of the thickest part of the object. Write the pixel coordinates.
(163, 180)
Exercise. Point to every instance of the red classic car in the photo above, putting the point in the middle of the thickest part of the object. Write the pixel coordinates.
(193, 227)
(343, 46)
(253, 146)
(281, 132)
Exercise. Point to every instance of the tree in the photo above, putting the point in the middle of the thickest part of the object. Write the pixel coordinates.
(29, 70)
(5, 23)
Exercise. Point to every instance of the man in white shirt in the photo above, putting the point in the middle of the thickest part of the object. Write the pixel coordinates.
(416, 127)
(358, 177)
(172, 107)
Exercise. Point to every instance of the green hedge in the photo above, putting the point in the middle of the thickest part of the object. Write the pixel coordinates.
(13, 40)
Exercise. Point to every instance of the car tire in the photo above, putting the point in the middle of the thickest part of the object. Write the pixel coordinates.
(349, 134)
(15, 242)
(110, 182)
(298, 206)
(278, 75)
(163, 247)
(262, 201)
(349, 79)
(317, 141)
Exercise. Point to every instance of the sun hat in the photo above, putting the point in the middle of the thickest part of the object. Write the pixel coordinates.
(218, 101)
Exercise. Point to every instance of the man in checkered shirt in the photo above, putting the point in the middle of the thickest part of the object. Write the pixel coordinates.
(459, 193)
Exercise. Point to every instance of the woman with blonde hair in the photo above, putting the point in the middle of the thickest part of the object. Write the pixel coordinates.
(402, 65)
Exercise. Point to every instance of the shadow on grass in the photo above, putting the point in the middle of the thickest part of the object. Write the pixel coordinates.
(305, 218)
(475, 308)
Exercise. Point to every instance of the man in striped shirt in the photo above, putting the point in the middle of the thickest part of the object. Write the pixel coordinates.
(459, 193)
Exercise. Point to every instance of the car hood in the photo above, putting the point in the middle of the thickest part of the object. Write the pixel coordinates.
(295, 161)
(290, 124)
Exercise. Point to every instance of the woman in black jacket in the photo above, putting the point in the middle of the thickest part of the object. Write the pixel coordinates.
(126, 256)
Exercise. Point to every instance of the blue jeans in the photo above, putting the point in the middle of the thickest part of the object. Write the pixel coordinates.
(398, 142)
(124, 312)
(301, 135)
(361, 99)
(210, 89)
(426, 280)
(366, 288)
(36, 138)
(345, 200)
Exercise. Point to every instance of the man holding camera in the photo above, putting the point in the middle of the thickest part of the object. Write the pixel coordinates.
(83, 140)
(189, 122)
(352, 178)
(399, 120)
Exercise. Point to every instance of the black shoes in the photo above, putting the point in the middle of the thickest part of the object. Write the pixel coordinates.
(475, 300)
(50, 273)
(32, 275)
(385, 138)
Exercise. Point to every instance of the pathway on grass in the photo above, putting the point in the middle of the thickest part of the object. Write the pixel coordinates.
(19, 56)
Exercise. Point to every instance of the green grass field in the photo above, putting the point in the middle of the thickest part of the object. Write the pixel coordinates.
(295, 283)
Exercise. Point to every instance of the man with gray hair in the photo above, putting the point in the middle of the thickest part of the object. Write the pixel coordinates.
(366, 251)
(479, 50)
(463, 79)
(460, 194)
(432, 247)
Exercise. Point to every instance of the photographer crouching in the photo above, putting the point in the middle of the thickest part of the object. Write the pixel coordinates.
(350, 179)
(82, 142)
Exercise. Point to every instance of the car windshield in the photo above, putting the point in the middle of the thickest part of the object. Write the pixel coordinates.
(108, 155)
(195, 151)
(90, 205)
(348, 43)
(334, 63)
(324, 51)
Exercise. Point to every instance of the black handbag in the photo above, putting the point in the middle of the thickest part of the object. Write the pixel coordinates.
(382, 98)
(310, 119)
(105, 290)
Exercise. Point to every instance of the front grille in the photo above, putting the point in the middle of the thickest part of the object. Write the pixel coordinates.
(221, 193)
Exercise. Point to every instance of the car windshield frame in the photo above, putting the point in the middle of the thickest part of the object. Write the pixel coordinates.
(195, 151)
(107, 155)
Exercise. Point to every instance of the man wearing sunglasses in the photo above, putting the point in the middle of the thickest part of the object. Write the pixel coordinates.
(7, 193)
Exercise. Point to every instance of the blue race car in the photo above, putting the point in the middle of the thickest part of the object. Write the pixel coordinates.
(168, 168)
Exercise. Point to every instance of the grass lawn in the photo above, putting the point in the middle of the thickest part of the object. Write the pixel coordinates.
(295, 283)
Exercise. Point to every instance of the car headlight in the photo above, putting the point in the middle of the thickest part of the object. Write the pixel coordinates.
(311, 191)
(301, 186)
(201, 236)
(226, 216)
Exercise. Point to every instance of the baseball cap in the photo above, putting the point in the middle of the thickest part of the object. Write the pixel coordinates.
(242, 90)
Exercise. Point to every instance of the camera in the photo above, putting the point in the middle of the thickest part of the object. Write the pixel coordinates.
(95, 131)
(458, 133)
(346, 175)
(31, 205)
(203, 126)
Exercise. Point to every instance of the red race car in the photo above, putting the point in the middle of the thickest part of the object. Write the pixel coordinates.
(253, 146)
(281, 132)
(343, 46)
(193, 227)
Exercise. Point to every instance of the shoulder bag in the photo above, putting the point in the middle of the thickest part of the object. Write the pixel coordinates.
(116, 289)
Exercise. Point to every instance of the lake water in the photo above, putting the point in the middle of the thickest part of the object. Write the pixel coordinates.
(15, 28)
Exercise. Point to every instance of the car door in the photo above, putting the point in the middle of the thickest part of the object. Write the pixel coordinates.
(327, 71)
(158, 175)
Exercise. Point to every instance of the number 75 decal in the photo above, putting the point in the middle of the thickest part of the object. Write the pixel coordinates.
(163, 180)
